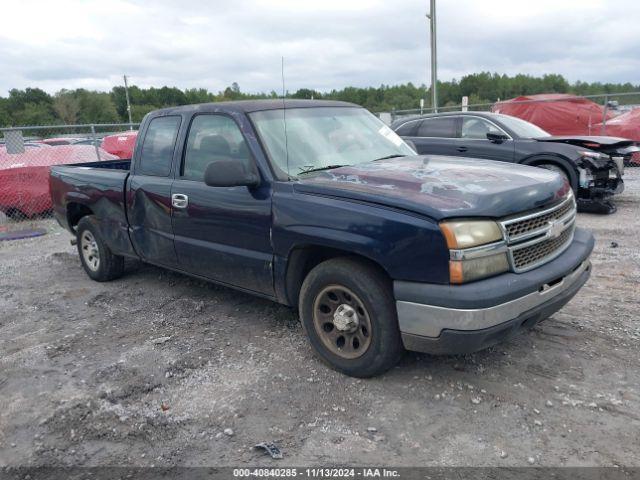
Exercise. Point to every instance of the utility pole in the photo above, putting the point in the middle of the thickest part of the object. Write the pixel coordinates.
(126, 93)
(434, 56)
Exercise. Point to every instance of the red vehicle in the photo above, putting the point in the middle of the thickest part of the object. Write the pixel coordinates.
(556, 113)
(24, 177)
(120, 144)
(626, 125)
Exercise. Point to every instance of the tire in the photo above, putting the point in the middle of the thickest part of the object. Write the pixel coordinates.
(349, 299)
(98, 261)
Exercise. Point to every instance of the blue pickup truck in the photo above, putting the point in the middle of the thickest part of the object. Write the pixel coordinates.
(320, 206)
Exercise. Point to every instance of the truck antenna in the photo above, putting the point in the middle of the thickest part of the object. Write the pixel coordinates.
(284, 119)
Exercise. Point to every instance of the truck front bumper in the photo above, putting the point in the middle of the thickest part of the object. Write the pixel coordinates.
(455, 319)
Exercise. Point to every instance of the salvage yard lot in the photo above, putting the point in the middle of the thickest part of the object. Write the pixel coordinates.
(152, 369)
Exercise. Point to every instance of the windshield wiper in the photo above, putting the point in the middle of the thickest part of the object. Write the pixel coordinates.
(319, 169)
(395, 155)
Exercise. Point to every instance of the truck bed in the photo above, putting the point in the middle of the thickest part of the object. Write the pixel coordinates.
(98, 187)
(108, 164)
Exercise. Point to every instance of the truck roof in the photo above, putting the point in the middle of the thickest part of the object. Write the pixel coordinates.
(248, 106)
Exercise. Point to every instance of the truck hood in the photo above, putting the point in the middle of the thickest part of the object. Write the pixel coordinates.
(441, 187)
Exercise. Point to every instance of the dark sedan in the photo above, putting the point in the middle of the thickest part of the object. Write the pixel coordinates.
(593, 166)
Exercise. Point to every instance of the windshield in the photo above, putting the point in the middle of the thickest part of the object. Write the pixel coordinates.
(522, 128)
(322, 137)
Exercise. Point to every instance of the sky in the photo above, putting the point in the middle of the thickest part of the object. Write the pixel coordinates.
(326, 44)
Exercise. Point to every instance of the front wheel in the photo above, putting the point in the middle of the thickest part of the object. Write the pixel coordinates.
(348, 312)
(100, 263)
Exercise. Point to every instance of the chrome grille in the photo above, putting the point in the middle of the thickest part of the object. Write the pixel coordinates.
(528, 225)
(538, 237)
(524, 258)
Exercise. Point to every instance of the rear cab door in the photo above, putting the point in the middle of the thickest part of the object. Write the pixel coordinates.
(149, 191)
(432, 135)
(222, 233)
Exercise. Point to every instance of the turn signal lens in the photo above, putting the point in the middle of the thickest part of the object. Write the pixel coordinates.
(462, 271)
(456, 274)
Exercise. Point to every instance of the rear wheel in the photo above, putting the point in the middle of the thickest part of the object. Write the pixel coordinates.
(100, 263)
(348, 311)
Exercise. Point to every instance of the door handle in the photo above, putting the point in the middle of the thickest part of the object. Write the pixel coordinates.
(178, 200)
(462, 149)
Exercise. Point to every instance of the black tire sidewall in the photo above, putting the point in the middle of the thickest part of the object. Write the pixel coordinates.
(111, 265)
(375, 293)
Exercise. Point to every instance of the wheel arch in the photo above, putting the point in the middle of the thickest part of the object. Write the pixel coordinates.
(303, 258)
(562, 162)
(75, 212)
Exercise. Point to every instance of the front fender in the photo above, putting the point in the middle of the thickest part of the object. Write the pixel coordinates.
(565, 163)
(405, 245)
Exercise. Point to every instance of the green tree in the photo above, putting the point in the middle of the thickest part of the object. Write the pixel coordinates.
(5, 118)
(35, 106)
(31, 106)
(139, 111)
(96, 107)
(66, 106)
(119, 99)
(33, 114)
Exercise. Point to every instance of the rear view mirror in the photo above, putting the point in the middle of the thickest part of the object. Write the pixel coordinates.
(229, 172)
(497, 137)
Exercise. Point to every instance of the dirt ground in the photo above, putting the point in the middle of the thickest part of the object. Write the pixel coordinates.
(152, 369)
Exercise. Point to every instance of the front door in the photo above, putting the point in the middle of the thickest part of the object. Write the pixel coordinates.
(222, 233)
(149, 193)
(474, 142)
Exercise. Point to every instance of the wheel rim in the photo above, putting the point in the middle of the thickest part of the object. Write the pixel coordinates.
(90, 252)
(342, 322)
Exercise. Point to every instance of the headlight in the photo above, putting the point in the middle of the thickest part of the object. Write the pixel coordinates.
(477, 249)
(591, 154)
(470, 233)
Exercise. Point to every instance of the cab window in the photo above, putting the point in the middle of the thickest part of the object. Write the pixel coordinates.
(212, 138)
(157, 148)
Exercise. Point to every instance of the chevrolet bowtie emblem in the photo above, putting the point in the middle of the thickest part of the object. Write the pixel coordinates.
(555, 229)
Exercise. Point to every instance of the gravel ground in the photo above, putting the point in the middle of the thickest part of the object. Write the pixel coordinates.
(154, 368)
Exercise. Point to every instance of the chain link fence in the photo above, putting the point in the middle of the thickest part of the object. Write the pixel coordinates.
(610, 105)
(610, 114)
(26, 155)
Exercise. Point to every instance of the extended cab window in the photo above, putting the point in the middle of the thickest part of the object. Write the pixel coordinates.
(211, 138)
(158, 145)
(476, 127)
(443, 127)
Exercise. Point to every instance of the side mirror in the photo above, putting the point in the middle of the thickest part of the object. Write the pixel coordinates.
(497, 137)
(228, 172)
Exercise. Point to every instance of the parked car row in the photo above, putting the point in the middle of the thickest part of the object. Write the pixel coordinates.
(592, 165)
(119, 144)
(24, 177)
